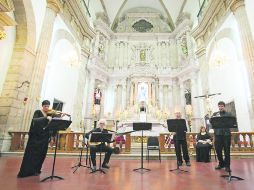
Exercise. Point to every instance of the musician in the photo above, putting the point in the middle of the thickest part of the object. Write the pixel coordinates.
(101, 147)
(37, 145)
(204, 145)
(181, 144)
(222, 140)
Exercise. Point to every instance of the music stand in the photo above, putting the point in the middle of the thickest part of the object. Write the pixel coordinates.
(177, 125)
(79, 164)
(56, 125)
(225, 122)
(98, 137)
(141, 127)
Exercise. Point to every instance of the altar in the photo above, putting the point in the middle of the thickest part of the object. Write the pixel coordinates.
(157, 128)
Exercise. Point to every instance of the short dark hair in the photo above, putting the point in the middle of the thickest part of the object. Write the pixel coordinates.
(221, 103)
(45, 102)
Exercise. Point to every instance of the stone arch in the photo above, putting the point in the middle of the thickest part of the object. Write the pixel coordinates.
(63, 34)
(16, 83)
(225, 33)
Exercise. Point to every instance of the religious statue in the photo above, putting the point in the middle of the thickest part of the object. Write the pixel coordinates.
(187, 97)
(142, 106)
(97, 96)
(142, 55)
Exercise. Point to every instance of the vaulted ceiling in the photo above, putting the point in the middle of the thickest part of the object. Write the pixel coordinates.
(170, 9)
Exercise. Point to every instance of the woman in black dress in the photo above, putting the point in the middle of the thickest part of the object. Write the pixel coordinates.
(37, 145)
(204, 145)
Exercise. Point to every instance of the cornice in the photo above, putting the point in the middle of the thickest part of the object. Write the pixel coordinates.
(74, 7)
(103, 28)
(235, 4)
(216, 13)
(55, 5)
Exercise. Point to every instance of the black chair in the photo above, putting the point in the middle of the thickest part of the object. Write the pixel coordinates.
(214, 152)
(153, 144)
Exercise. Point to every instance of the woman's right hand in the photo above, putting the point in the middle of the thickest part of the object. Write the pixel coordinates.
(49, 118)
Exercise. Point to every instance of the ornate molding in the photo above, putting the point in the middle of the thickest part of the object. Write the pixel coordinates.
(76, 15)
(55, 5)
(214, 16)
(235, 4)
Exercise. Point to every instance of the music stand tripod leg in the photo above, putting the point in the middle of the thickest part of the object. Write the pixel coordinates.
(142, 159)
(177, 163)
(229, 177)
(79, 164)
(53, 168)
(100, 169)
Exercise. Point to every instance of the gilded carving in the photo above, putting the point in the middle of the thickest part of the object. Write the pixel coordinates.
(6, 5)
(2, 35)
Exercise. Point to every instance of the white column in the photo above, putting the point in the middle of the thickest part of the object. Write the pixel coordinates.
(78, 115)
(96, 43)
(124, 92)
(90, 102)
(238, 8)
(175, 93)
(182, 98)
(170, 98)
(161, 96)
(53, 7)
(196, 117)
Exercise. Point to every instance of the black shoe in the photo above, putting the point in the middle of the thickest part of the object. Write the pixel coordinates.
(105, 166)
(227, 169)
(179, 163)
(188, 164)
(219, 167)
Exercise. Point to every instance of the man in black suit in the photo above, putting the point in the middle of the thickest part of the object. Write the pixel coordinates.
(222, 140)
(181, 144)
(100, 147)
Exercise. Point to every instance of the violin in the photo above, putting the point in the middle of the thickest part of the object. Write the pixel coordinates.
(56, 113)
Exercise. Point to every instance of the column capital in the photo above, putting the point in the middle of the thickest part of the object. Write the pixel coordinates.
(54, 5)
(2, 34)
(236, 4)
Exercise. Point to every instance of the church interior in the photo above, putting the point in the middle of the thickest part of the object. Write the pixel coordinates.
(126, 62)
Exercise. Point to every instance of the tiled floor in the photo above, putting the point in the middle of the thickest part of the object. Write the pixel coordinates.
(201, 176)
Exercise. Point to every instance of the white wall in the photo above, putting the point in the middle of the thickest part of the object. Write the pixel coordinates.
(6, 49)
(61, 77)
(109, 100)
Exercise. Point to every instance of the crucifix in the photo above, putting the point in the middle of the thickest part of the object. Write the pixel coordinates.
(208, 101)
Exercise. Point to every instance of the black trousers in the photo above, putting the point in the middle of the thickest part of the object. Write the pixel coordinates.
(223, 142)
(102, 148)
(181, 145)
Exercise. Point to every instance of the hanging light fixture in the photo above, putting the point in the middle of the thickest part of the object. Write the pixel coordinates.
(219, 57)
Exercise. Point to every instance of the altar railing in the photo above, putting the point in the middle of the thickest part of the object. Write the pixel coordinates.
(241, 142)
(68, 142)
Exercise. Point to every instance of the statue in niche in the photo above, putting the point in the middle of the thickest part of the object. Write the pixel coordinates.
(101, 50)
(184, 46)
(97, 96)
(142, 55)
(187, 97)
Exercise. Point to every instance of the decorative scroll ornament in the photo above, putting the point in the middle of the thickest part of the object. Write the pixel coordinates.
(2, 35)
